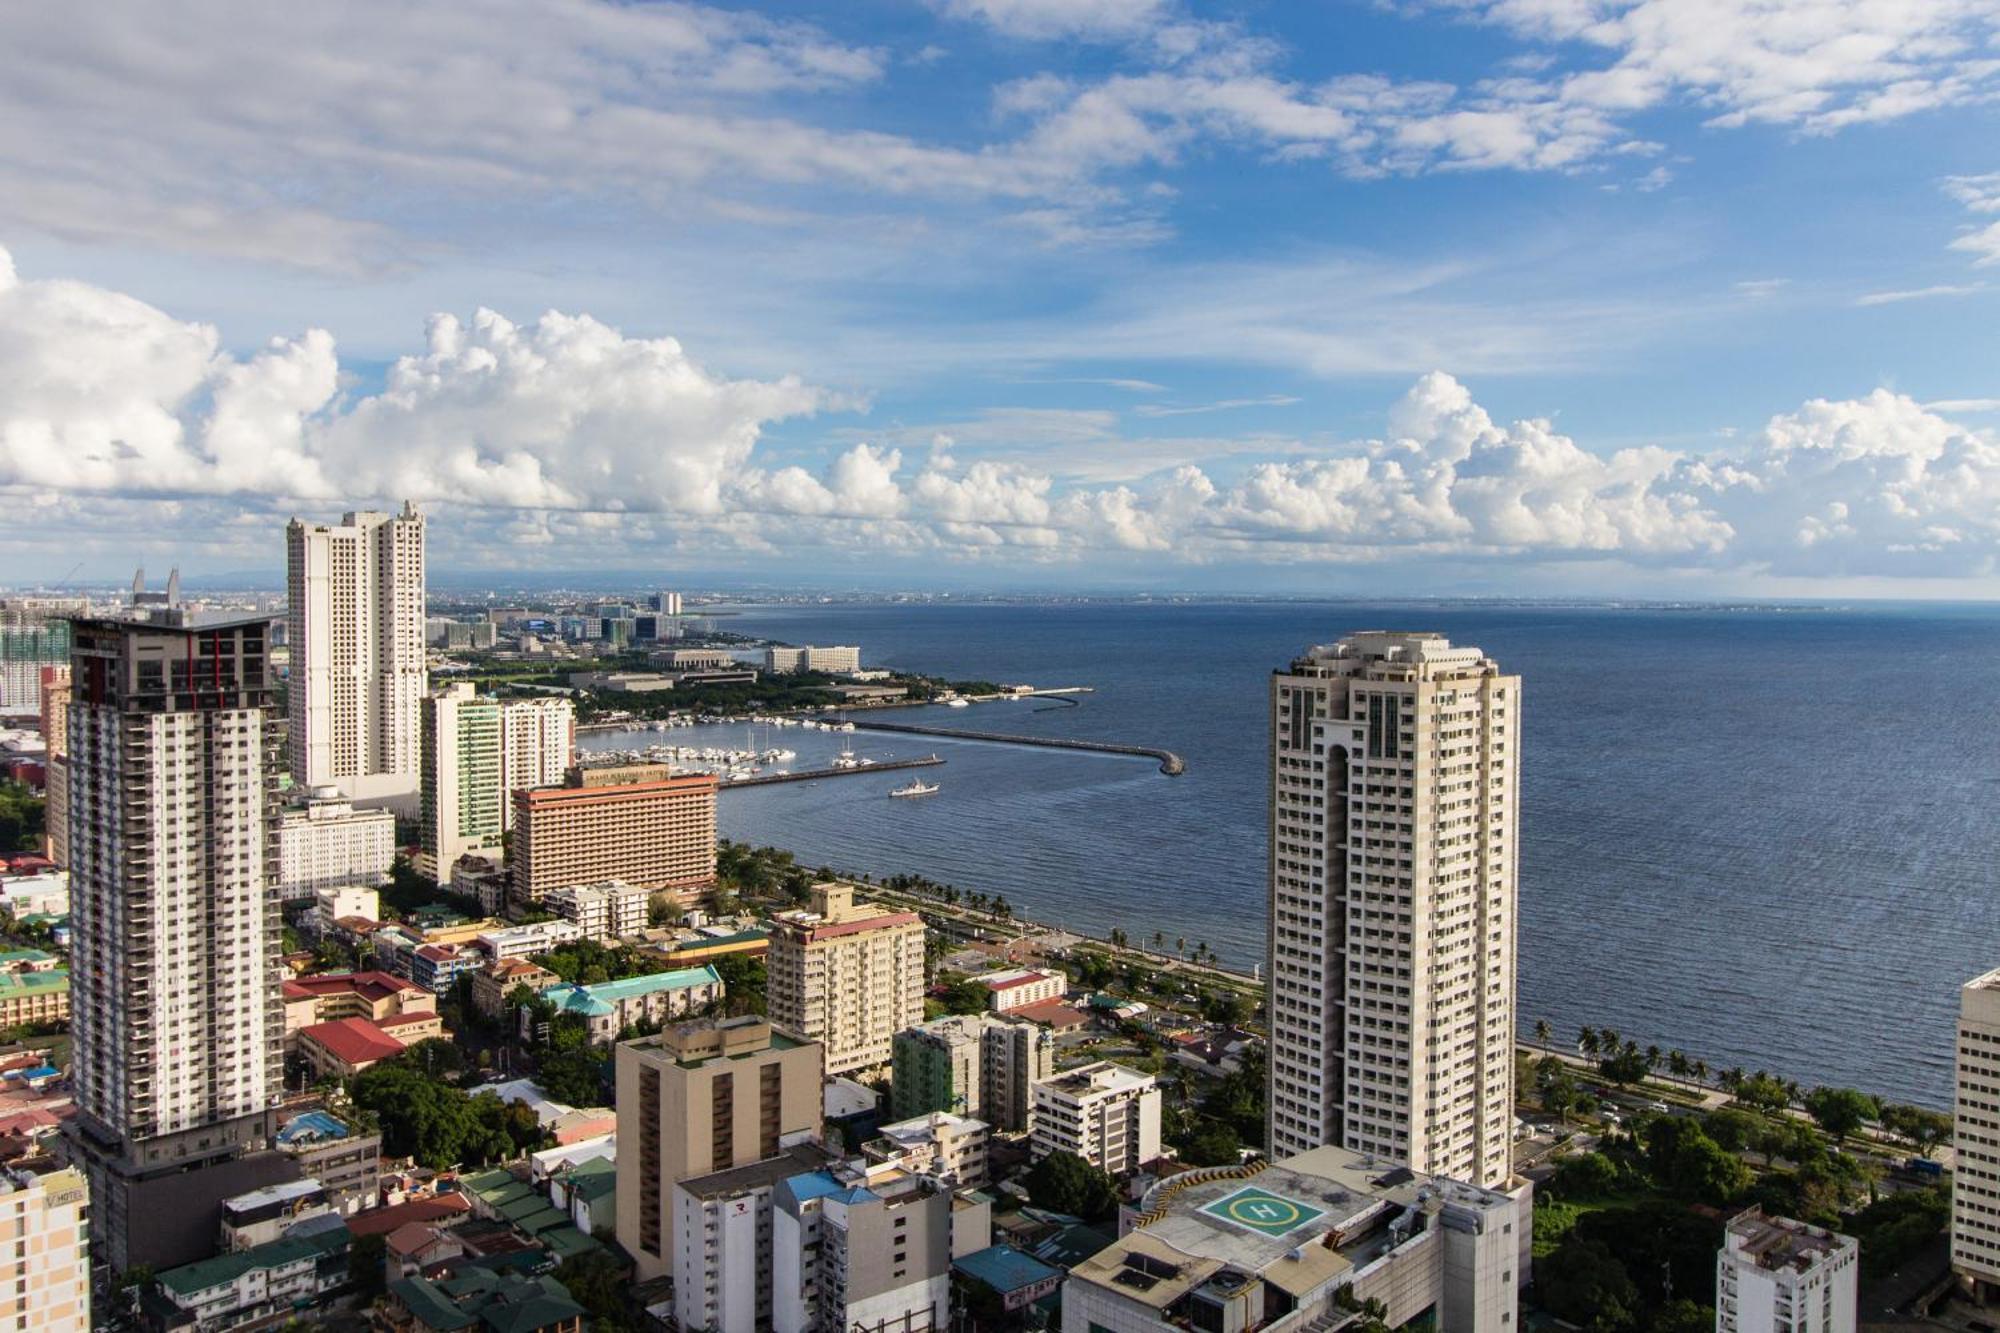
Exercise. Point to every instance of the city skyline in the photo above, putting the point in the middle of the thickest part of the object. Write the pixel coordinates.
(1644, 297)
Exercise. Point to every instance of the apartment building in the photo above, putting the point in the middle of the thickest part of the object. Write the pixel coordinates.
(1299, 1245)
(55, 689)
(1975, 1181)
(1103, 1112)
(643, 824)
(699, 1098)
(33, 997)
(325, 842)
(45, 1272)
(604, 911)
(861, 1248)
(725, 1262)
(833, 660)
(477, 752)
(175, 1007)
(952, 1148)
(1773, 1273)
(980, 1065)
(847, 975)
(1394, 811)
(356, 633)
(33, 634)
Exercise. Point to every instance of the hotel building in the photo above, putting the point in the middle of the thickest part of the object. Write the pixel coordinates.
(1395, 767)
(643, 824)
(1975, 1180)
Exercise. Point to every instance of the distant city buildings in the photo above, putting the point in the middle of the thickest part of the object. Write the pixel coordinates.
(176, 1011)
(1773, 1273)
(834, 661)
(666, 603)
(643, 824)
(355, 626)
(1395, 807)
(33, 635)
(847, 975)
(55, 692)
(1102, 1112)
(1975, 1184)
(327, 843)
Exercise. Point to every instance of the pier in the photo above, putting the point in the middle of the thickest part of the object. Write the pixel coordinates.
(813, 775)
(1170, 763)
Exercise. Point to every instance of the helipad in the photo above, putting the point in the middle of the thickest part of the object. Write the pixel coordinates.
(1262, 1211)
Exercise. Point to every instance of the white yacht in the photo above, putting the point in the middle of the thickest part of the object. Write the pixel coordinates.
(916, 788)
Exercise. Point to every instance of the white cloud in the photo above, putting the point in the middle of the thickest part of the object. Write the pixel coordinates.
(1920, 293)
(1042, 20)
(570, 436)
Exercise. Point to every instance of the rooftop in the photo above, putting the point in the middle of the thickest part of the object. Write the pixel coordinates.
(371, 986)
(1101, 1076)
(353, 1041)
(1005, 1268)
(1779, 1242)
(191, 1279)
(799, 1159)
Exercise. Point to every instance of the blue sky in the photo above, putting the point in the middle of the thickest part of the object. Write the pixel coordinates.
(1687, 297)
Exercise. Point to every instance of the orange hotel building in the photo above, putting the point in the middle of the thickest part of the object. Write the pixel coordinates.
(640, 823)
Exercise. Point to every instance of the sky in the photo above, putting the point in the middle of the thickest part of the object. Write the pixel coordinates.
(1500, 297)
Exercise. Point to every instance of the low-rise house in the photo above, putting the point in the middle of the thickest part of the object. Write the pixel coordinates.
(1004, 1279)
(492, 984)
(588, 1192)
(481, 1299)
(34, 997)
(345, 1047)
(609, 1007)
(1019, 987)
(522, 941)
(446, 1209)
(333, 996)
(265, 1281)
(436, 967)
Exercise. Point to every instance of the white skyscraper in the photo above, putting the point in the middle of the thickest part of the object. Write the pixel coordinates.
(1394, 805)
(540, 738)
(1975, 1184)
(476, 752)
(175, 1004)
(357, 641)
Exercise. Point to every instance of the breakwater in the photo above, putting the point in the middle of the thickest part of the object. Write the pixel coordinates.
(814, 774)
(1170, 763)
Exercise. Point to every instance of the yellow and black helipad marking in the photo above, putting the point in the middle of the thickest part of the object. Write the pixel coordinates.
(1261, 1210)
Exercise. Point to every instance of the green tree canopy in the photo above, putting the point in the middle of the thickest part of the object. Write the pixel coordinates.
(1840, 1111)
(1062, 1182)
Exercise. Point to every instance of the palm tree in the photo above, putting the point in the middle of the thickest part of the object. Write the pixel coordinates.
(1586, 1040)
(1677, 1062)
(1607, 1040)
(1159, 939)
(1701, 1070)
(1542, 1031)
(1652, 1057)
(1180, 945)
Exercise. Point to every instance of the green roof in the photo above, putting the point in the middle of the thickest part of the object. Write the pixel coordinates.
(633, 987)
(568, 1242)
(9, 957)
(597, 1185)
(546, 1218)
(430, 1306)
(521, 1205)
(204, 1274)
(479, 1298)
(15, 985)
(501, 1196)
(481, 1181)
(710, 941)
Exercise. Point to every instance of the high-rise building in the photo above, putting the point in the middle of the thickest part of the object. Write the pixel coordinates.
(356, 631)
(1102, 1112)
(666, 603)
(643, 824)
(1773, 1273)
(31, 637)
(833, 659)
(477, 752)
(982, 1065)
(461, 791)
(326, 843)
(701, 1098)
(860, 1249)
(176, 1011)
(1975, 1183)
(55, 784)
(45, 1273)
(1394, 806)
(847, 975)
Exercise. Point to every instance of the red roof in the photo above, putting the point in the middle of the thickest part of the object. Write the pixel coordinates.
(371, 986)
(353, 1041)
(437, 953)
(838, 929)
(382, 1221)
(1009, 983)
(415, 1018)
(1052, 1013)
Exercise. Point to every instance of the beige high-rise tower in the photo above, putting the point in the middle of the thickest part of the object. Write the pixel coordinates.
(849, 975)
(1395, 772)
(356, 629)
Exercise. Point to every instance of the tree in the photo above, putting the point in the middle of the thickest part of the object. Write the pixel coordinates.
(1227, 1007)
(436, 1056)
(1543, 1031)
(663, 909)
(1841, 1111)
(1583, 1282)
(1686, 1161)
(21, 817)
(1215, 1143)
(602, 1286)
(1625, 1067)
(364, 1266)
(1683, 1316)
(1919, 1124)
(1762, 1091)
(744, 983)
(1677, 1063)
(1734, 1128)
(1589, 1175)
(1062, 1182)
(965, 996)
(1586, 1040)
(574, 1075)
